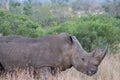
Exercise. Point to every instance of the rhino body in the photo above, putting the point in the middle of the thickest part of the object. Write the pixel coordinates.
(61, 51)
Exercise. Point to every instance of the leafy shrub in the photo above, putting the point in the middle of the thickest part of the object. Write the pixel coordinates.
(18, 25)
(91, 30)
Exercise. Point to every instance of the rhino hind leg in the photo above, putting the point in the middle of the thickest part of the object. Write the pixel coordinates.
(2, 69)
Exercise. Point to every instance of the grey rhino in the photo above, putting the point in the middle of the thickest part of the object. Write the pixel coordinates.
(60, 51)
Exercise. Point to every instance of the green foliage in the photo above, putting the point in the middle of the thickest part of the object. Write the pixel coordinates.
(91, 30)
(18, 25)
(15, 7)
(42, 15)
(112, 7)
(27, 7)
(49, 15)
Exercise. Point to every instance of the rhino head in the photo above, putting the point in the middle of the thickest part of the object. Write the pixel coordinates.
(85, 62)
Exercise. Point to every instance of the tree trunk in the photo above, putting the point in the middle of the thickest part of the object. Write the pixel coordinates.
(6, 4)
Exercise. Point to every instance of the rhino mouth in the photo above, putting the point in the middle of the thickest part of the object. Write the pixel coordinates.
(90, 73)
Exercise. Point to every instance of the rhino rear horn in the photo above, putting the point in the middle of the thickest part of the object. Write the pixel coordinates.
(92, 53)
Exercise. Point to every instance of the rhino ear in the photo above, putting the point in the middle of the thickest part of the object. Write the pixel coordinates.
(74, 40)
(76, 43)
(71, 40)
(101, 54)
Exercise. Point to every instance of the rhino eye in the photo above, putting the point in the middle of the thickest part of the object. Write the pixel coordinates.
(96, 65)
(83, 59)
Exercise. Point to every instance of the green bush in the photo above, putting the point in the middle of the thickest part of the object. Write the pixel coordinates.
(91, 30)
(18, 25)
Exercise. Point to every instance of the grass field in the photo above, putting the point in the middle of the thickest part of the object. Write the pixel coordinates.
(108, 70)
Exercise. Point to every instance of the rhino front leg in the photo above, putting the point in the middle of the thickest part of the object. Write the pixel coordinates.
(44, 73)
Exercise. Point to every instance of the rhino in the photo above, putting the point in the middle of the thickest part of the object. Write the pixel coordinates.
(15, 38)
(61, 51)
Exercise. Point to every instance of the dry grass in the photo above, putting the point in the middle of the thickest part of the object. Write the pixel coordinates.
(108, 70)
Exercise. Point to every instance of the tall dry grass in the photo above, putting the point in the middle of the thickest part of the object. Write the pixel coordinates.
(108, 70)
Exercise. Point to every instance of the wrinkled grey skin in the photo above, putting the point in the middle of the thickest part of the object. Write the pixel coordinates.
(20, 39)
(60, 51)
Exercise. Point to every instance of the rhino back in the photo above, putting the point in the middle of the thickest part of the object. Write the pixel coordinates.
(47, 51)
(20, 39)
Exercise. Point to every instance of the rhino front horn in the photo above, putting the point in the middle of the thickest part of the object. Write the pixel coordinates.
(101, 54)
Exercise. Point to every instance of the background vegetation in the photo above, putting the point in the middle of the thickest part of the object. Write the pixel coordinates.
(94, 23)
